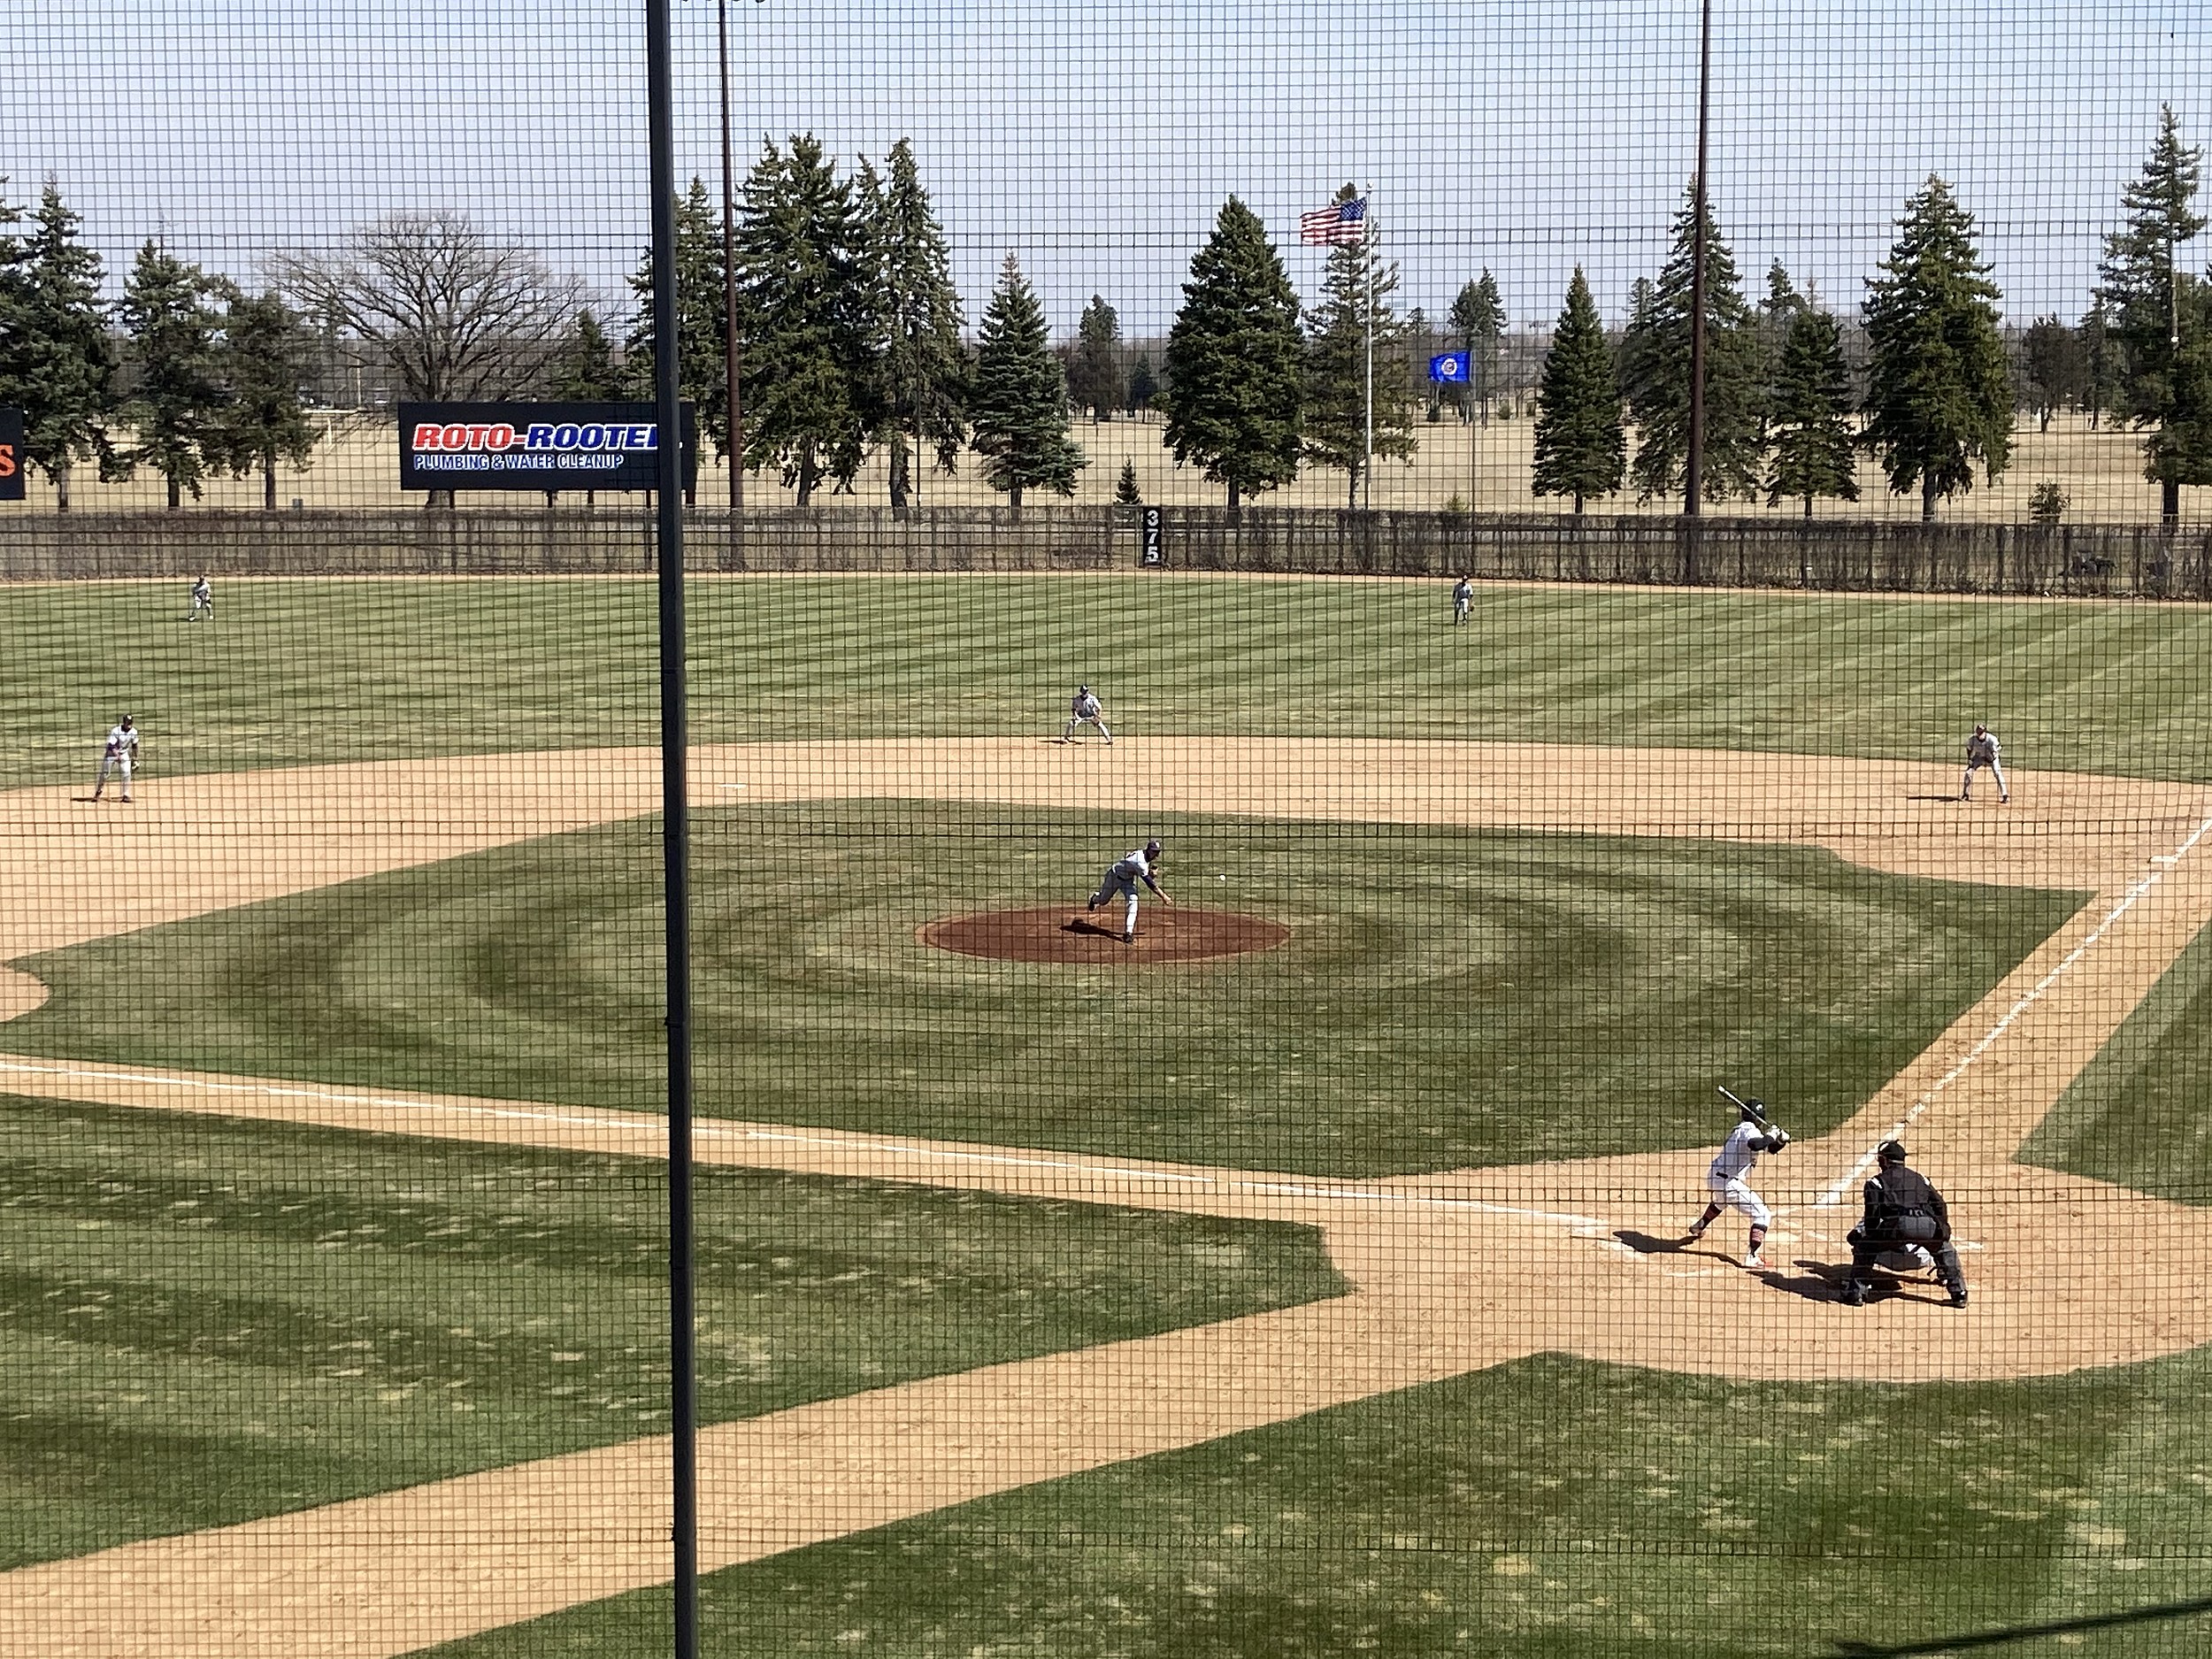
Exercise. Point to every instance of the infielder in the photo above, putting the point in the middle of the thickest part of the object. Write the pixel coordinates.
(1462, 600)
(1981, 750)
(120, 754)
(202, 601)
(1122, 877)
(1086, 707)
(1725, 1177)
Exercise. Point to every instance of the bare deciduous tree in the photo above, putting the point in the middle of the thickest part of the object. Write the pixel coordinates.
(454, 312)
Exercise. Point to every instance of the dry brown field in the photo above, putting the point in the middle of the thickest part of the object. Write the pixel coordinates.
(2100, 469)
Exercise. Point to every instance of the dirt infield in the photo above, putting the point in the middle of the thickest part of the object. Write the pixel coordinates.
(1165, 934)
(1451, 1272)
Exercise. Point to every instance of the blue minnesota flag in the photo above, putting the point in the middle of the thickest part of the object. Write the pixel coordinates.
(1450, 369)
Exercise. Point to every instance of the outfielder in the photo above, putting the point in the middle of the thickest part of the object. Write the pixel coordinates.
(1122, 877)
(1086, 707)
(1724, 1176)
(202, 601)
(1463, 599)
(120, 754)
(1981, 750)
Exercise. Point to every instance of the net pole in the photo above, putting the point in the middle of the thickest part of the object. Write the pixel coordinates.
(675, 831)
(1694, 463)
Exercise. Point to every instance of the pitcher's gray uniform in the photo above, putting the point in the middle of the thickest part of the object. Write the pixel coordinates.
(120, 754)
(1738, 1156)
(1086, 707)
(1462, 600)
(1122, 877)
(1981, 750)
(202, 601)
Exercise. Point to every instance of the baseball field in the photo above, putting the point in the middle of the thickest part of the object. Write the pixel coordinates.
(1324, 1296)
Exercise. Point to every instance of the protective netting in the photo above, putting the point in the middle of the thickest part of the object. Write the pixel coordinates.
(1297, 977)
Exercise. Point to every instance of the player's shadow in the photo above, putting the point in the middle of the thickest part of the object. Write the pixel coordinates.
(1931, 798)
(1648, 1244)
(1096, 930)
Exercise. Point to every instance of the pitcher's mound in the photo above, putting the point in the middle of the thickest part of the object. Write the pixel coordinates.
(1062, 934)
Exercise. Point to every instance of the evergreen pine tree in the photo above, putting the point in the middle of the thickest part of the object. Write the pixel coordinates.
(1656, 373)
(267, 350)
(55, 363)
(1125, 491)
(1580, 448)
(806, 308)
(925, 365)
(1810, 414)
(2054, 369)
(2158, 314)
(1020, 397)
(1235, 392)
(1477, 319)
(1938, 397)
(176, 403)
(1094, 366)
(703, 377)
(2099, 362)
(1144, 386)
(1355, 287)
(584, 371)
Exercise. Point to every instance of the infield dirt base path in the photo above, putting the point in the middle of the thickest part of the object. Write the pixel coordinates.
(1451, 1272)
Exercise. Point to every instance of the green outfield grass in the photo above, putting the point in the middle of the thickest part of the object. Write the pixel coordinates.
(209, 1321)
(1553, 1508)
(302, 670)
(1447, 998)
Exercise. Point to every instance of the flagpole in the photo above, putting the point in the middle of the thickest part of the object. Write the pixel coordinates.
(1367, 461)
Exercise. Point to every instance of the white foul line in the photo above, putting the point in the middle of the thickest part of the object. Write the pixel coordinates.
(2028, 998)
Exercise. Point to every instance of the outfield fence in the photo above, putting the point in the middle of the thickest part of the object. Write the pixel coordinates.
(2112, 560)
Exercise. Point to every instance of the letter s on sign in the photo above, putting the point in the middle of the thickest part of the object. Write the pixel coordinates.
(7, 460)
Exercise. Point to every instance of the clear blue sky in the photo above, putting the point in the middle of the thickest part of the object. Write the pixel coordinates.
(1097, 142)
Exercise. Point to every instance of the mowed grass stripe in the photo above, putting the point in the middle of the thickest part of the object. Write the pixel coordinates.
(209, 1321)
(303, 671)
(1447, 997)
(1551, 1507)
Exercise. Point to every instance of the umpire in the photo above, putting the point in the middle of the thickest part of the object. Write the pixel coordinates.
(1903, 1211)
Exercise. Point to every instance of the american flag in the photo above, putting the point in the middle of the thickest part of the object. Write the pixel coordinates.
(1340, 221)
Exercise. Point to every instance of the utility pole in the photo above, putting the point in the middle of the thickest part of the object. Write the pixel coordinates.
(736, 456)
(1693, 465)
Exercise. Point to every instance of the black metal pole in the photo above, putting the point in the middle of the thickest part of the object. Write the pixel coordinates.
(675, 848)
(1693, 464)
(736, 458)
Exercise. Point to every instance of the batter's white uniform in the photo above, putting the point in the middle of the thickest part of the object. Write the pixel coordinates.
(1725, 1177)
(1981, 750)
(119, 756)
(1121, 877)
(1086, 707)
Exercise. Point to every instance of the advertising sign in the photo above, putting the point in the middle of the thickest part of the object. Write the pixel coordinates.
(535, 446)
(11, 462)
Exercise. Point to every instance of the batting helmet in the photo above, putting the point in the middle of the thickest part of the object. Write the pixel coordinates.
(1891, 1152)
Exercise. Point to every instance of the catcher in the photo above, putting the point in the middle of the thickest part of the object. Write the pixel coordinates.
(1907, 1226)
(1752, 1134)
